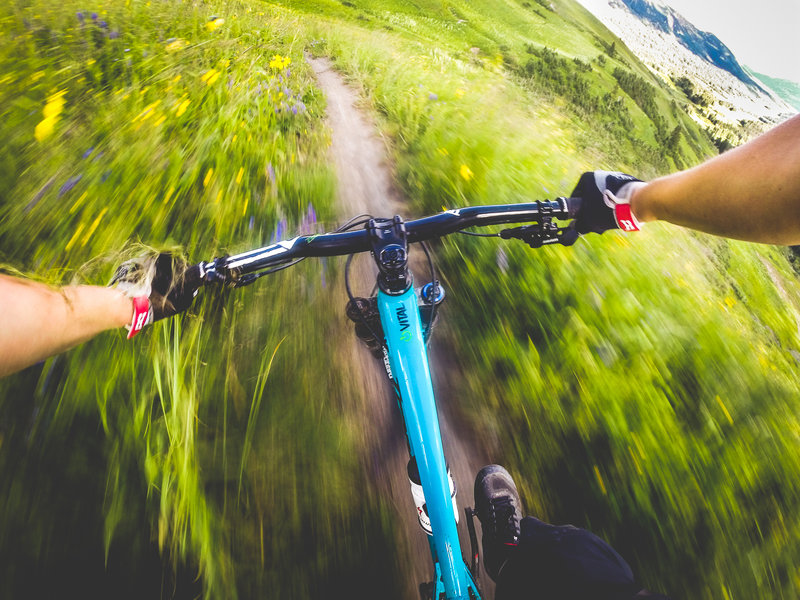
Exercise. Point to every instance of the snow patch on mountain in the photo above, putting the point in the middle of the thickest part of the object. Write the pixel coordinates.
(663, 52)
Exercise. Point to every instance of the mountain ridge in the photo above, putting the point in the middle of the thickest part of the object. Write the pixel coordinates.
(649, 31)
(702, 43)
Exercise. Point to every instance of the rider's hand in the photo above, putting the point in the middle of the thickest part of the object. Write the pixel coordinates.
(160, 285)
(606, 202)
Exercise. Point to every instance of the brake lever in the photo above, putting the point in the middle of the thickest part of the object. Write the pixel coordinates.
(541, 234)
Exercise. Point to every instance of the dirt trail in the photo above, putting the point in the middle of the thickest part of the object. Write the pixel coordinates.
(365, 185)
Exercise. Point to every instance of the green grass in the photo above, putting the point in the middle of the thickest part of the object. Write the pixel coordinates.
(643, 386)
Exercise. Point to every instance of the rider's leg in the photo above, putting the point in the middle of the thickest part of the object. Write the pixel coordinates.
(529, 558)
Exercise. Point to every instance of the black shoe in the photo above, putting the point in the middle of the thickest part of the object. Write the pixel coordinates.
(499, 510)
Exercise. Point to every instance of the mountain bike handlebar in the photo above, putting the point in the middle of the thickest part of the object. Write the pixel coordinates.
(240, 269)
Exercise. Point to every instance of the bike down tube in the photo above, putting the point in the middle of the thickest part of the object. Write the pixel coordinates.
(409, 362)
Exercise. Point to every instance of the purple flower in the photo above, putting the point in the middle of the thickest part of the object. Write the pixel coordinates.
(294, 109)
(88, 152)
(103, 24)
(113, 35)
(271, 172)
(80, 17)
(105, 176)
(433, 96)
(252, 222)
(94, 16)
(288, 72)
(280, 230)
(71, 183)
(35, 200)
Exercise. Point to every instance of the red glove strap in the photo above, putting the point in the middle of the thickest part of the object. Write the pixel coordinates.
(624, 217)
(141, 308)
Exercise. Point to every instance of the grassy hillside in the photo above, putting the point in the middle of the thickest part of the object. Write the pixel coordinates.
(644, 386)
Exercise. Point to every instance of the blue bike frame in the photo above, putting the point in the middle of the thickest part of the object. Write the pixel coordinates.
(388, 240)
(408, 360)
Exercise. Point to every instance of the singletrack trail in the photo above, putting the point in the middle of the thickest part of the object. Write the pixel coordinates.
(365, 185)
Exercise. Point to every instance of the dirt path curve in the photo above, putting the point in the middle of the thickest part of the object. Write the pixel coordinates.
(365, 185)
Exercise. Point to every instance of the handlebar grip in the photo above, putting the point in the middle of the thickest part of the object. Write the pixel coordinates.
(573, 206)
(193, 277)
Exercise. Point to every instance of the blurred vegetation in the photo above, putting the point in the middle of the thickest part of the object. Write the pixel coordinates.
(643, 386)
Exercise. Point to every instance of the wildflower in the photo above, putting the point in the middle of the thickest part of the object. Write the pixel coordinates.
(209, 175)
(252, 222)
(55, 104)
(94, 16)
(210, 77)
(51, 112)
(466, 172)
(113, 35)
(460, 93)
(39, 195)
(88, 152)
(103, 24)
(271, 172)
(280, 230)
(214, 23)
(80, 16)
(239, 175)
(175, 44)
(280, 62)
(71, 183)
(433, 97)
(182, 107)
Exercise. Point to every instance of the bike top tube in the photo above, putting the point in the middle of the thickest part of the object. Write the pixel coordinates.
(230, 268)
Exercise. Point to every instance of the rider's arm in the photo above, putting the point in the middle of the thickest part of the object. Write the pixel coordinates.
(40, 321)
(750, 193)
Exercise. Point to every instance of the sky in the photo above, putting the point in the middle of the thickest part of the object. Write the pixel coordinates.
(762, 34)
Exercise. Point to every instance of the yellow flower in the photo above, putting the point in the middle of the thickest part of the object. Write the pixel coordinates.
(466, 172)
(207, 179)
(55, 105)
(280, 62)
(53, 109)
(182, 107)
(214, 24)
(239, 175)
(460, 93)
(45, 128)
(176, 45)
(210, 77)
